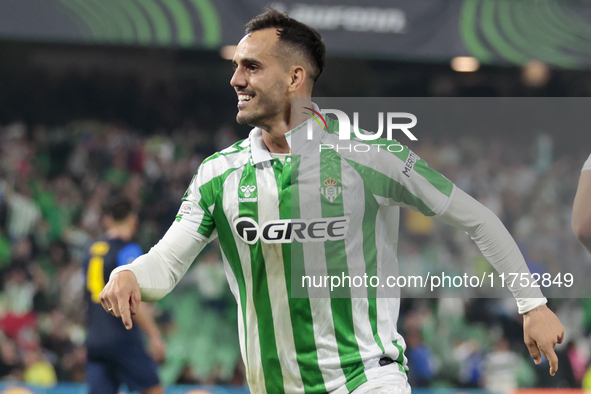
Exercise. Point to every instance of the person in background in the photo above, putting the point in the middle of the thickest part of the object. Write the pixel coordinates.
(115, 355)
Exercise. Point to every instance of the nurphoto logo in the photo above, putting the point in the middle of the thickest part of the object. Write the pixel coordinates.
(348, 130)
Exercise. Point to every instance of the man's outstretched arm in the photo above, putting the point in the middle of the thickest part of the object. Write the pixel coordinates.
(582, 207)
(152, 275)
(542, 329)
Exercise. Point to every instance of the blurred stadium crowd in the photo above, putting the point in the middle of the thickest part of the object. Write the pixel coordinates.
(53, 182)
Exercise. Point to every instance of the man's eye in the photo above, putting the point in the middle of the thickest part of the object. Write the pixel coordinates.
(253, 67)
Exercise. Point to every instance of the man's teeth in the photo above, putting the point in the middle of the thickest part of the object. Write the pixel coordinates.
(244, 97)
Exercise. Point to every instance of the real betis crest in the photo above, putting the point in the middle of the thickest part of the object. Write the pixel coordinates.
(331, 191)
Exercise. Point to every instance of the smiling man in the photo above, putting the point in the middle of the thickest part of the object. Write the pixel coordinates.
(255, 193)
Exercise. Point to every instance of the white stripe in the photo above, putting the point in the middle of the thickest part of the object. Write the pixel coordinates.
(236, 292)
(315, 264)
(353, 202)
(268, 209)
(386, 306)
(253, 363)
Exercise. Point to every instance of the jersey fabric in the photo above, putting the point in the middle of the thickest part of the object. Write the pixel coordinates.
(115, 355)
(309, 345)
(587, 164)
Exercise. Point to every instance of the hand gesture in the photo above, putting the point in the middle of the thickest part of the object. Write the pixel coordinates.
(121, 297)
(542, 331)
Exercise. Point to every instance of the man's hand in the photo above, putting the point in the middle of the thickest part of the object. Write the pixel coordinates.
(121, 297)
(542, 331)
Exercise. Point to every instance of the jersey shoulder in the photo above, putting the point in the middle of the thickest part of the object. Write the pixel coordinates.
(232, 157)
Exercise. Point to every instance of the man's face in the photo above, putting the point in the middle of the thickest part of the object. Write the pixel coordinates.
(260, 79)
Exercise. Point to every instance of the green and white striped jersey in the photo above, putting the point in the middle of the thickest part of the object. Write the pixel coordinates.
(314, 344)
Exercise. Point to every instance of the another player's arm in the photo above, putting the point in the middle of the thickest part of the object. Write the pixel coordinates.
(582, 207)
(145, 319)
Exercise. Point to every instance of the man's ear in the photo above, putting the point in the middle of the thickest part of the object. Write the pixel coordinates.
(297, 79)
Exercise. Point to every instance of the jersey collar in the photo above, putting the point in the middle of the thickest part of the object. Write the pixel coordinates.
(296, 138)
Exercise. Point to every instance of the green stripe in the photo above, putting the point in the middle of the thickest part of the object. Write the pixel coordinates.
(386, 187)
(495, 38)
(212, 27)
(158, 18)
(262, 301)
(400, 358)
(370, 255)
(336, 259)
(184, 25)
(435, 178)
(209, 194)
(140, 22)
(229, 152)
(469, 32)
(300, 309)
(117, 17)
(533, 36)
(230, 250)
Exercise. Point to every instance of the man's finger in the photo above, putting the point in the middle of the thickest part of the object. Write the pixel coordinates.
(124, 310)
(103, 297)
(534, 351)
(104, 303)
(552, 358)
(115, 308)
(107, 305)
(134, 302)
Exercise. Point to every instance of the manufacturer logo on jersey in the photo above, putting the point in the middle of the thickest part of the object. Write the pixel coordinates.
(288, 230)
(410, 163)
(246, 191)
(331, 190)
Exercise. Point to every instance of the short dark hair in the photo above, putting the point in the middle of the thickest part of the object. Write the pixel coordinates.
(295, 34)
(118, 208)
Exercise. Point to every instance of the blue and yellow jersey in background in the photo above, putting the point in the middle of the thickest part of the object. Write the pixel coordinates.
(104, 330)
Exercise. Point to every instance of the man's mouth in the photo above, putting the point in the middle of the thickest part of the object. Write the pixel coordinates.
(244, 98)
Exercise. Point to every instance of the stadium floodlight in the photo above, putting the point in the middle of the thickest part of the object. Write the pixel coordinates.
(465, 64)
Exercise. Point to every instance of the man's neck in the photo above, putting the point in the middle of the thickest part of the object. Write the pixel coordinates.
(120, 232)
(274, 135)
(275, 140)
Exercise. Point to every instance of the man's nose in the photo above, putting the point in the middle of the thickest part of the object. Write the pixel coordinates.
(238, 79)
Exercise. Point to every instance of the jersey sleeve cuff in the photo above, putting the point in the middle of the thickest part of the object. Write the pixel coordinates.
(127, 267)
(525, 305)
